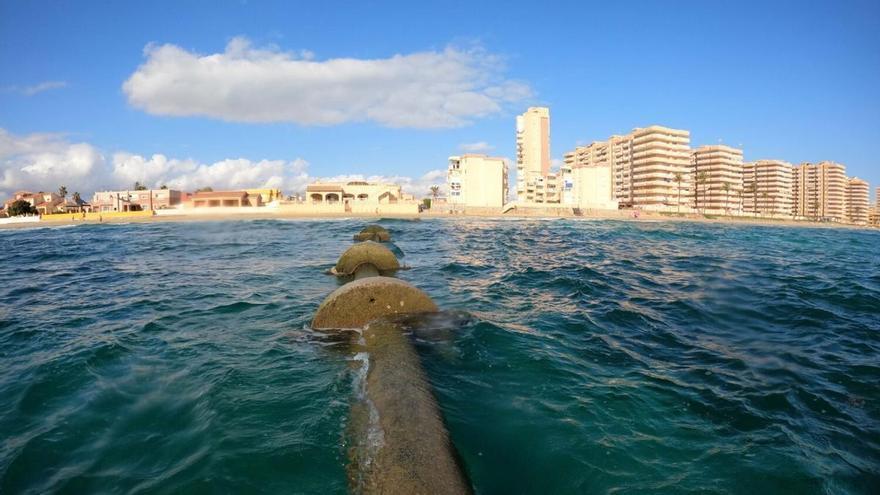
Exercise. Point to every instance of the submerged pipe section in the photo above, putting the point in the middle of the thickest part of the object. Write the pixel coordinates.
(416, 455)
(401, 445)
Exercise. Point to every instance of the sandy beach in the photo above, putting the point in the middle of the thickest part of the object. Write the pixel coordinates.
(622, 215)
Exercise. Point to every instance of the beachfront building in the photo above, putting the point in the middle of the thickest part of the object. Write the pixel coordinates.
(767, 187)
(819, 191)
(590, 187)
(354, 192)
(718, 178)
(616, 153)
(223, 199)
(533, 184)
(44, 202)
(874, 212)
(651, 166)
(137, 200)
(857, 201)
(266, 195)
(661, 166)
(477, 181)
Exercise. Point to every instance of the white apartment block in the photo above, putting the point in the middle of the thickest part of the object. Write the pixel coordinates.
(651, 166)
(857, 201)
(477, 181)
(718, 178)
(767, 187)
(819, 191)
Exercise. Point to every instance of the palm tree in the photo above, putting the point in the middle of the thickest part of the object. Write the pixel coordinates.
(77, 198)
(726, 188)
(747, 188)
(62, 191)
(435, 191)
(678, 178)
(702, 178)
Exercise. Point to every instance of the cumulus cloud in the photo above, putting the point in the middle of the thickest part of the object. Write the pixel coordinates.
(44, 162)
(419, 186)
(37, 88)
(431, 89)
(188, 175)
(478, 147)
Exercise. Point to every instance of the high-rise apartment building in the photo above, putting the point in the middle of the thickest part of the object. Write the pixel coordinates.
(857, 201)
(661, 167)
(615, 153)
(651, 166)
(533, 157)
(718, 178)
(477, 181)
(819, 191)
(767, 187)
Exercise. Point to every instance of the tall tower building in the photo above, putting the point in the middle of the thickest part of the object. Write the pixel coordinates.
(533, 155)
(819, 191)
(718, 178)
(767, 187)
(857, 201)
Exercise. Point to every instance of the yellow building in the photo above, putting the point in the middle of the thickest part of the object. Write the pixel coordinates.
(767, 187)
(477, 181)
(266, 195)
(533, 156)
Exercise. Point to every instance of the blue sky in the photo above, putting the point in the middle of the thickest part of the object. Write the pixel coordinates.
(798, 81)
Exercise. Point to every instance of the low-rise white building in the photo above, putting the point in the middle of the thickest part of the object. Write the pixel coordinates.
(478, 181)
(589, 187)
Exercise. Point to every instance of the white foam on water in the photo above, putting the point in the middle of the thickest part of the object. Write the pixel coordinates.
(375, 438)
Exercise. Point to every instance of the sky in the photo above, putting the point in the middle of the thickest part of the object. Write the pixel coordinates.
(99, 94)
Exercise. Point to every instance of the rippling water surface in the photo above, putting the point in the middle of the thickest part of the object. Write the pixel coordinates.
(603, 357)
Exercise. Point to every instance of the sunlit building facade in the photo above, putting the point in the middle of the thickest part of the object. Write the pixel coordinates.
(477, 181)
(767, 187)
(616, 153)
(857, 201)
(718, 178)
(661, 167)
(533, 157)
(819, 191)
(651, 166)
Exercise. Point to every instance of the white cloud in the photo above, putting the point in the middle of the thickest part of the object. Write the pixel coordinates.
(420, 186)
(429, 89)
(44, 162)
(188, 175)
(36, 88)
(478, 147)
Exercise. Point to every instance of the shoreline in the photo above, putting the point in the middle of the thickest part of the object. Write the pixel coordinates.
(622, 215)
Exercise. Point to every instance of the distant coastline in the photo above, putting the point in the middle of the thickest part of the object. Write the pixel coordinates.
(519, 213)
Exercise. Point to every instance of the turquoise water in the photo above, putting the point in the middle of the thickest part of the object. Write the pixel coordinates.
(601, 357)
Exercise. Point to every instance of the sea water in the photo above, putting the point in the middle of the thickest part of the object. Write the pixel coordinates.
(598, 357)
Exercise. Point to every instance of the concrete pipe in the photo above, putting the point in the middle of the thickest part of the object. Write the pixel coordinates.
(367, 259)
(375, 233)
(400, 444)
